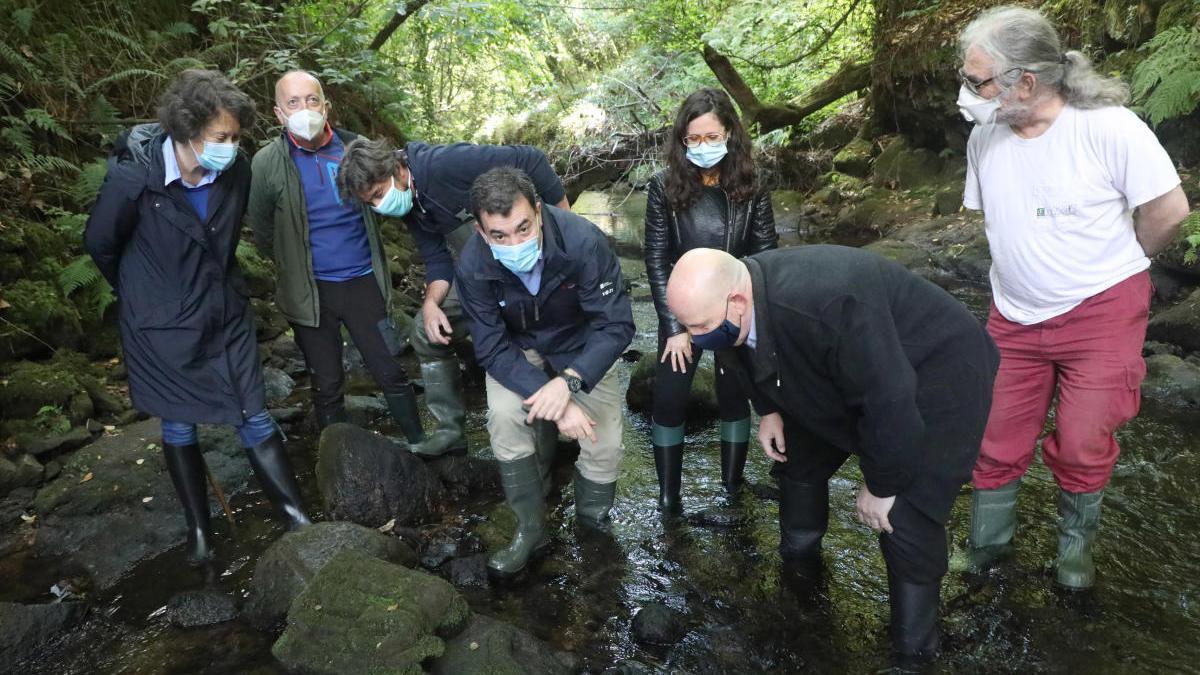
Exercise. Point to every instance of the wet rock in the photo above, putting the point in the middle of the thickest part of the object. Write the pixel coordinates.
(364, 615)
(904, 252)
(448, 542)
(788, 206)
(24, 628)
(904, 167)
(469, 572)
(488, 645)
(1172, 380)
(854, 159)
(1150, 348)
(284, 354)
(367, 479)
(106, 510)
(948, 202)
(278, 384)
(200, 608)
(257, 271)
(466, 476)
(1168, 286)
(292, 561)
(717, 518)
(105, 402)
(702, 402)
(75, 438)
(365, 411)
(287, 415)
(23, 471)
(658, 624)
(1178, 325)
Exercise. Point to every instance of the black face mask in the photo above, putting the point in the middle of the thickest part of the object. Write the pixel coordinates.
(724, 336)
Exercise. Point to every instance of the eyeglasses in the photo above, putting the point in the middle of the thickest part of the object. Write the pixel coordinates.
(974, 86)
(713, 139)
(312, 101)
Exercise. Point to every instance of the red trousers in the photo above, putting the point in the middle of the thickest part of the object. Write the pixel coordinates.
(1092, 355)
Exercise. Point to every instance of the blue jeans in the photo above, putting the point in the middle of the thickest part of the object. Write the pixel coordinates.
(252, 431)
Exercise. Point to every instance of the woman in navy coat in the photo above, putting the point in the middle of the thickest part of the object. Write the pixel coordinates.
(164, 232)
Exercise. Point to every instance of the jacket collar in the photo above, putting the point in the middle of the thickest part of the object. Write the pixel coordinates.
(554, 255)
(762, 358)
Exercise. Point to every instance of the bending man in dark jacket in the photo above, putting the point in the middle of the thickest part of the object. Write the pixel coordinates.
(329, 258)
(844, 352)
(427, 186)
(549, 317)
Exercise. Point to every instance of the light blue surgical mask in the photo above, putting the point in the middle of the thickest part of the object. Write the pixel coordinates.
(215, 156)
(396, 203)
(707, 156)
(518, 258)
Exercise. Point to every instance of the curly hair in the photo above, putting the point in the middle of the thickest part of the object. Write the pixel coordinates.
(365, 163)
(198, 96)
(684, 182)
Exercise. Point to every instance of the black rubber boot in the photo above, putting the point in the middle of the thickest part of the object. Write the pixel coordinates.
(735, 443)
(327, 415)
(668, 463)
(522, 481)
(403, 407)
(593, 501)
(274, 472)
(443, 397)
(803, 519)
(914, 622)
(186, 466)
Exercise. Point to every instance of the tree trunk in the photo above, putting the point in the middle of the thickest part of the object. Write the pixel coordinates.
(850, 78)
(410, 8)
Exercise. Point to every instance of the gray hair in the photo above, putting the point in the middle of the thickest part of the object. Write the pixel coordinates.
(365, 163)
(1016, 37)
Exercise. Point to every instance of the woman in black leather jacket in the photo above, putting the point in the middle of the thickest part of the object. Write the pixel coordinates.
(707, 197)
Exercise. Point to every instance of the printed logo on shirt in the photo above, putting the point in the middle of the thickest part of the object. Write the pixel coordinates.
(1055, 211)
(331, 168)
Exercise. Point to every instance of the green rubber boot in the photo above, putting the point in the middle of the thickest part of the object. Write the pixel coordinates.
(1079, 519)
(735, 444)
(993, 523)
(443, 397)
(403, 407)
(522, 481)
(593, 501)
(668, 464)
(545, 444)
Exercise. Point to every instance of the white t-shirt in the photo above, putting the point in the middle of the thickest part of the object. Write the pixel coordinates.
(1058, 209)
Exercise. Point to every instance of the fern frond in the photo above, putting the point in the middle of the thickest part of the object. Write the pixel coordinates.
(18, 136)
(179, 29)
(1167, 83)
(23, 19)
(183, 63)
(48, 164)
(38, 118)
(17, 61)
(79, 273)
(129, 43)
(87, 185)
(127, 74)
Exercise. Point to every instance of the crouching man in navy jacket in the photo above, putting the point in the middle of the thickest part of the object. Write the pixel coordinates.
(549, 317)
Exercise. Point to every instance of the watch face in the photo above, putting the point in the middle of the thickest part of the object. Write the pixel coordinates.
(573, 383)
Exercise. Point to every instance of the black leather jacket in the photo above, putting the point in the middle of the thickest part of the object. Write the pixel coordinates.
(714, 221)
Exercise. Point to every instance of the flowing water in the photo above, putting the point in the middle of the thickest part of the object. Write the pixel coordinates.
(719, 566)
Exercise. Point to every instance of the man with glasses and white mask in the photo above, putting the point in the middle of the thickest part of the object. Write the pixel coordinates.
(1077, 194)
(329, 258)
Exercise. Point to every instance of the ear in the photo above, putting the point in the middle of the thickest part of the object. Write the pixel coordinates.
(280, 116)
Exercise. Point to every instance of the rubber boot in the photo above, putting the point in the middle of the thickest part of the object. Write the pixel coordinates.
(1079, 518)
(593, 501)
(186, 466)
(545, 444)
(327, 415)
(274, 472)
(443, 397)
(993, 523)
(803, 519)
(403, 407)
(914, 622)
(522, 481)
(735, 442)
(668, 463)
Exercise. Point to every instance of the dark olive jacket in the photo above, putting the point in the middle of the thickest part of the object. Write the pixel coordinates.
(714, 221)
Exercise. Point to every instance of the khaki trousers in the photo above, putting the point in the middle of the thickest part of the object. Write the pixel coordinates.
(513, 439)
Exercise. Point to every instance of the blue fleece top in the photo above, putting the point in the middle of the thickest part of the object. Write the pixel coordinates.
(340, 250)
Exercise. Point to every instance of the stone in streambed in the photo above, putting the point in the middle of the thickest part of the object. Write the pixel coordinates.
(488, 645)
(659, 625)
(190, 609)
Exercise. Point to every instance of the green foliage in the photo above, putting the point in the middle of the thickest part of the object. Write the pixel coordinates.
(81, 281)
(1166, 84)
(1190, 228)
(51, 418)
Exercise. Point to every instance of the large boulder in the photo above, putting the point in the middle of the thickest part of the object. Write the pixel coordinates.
(278, 385)
(1179, 324)
(1172, 380)
(295, 558)
(855, 158)
(45, 319)
(23, 471)
(902, 166)
(702, 403)
(113, 503)
(488, 645)
(361, 614)
(367, 479)
(24, 628)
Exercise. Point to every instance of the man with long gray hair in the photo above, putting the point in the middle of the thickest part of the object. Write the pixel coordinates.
(1077, 193)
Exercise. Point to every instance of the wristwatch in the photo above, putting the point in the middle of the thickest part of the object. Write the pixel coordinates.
(573, 383)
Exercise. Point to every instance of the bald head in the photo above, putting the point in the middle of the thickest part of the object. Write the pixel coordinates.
(298, 90)
(706, 287)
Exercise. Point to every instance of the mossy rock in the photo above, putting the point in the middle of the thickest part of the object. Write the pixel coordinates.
(258, 271)
(855, 158)
(360, 614)
(702, 402)
(32, 240)
(904, 167)
(29, 386)
(788, 206)
(12, 267)
(268, 320)
(1179, 325)
(906, 253)
(37, 307)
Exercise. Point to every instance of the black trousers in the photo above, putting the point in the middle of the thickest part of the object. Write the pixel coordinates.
(671, 391)
(359, 306)
(916, 550)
